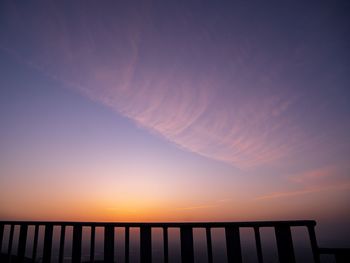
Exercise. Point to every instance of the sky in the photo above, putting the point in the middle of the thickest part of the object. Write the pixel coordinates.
(186, 111)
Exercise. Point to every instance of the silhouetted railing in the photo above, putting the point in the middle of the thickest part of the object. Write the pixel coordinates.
(232, 237)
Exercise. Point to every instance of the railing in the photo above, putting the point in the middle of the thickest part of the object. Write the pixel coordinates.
(282, 229)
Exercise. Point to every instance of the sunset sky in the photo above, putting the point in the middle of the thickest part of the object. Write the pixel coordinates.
(194, 111)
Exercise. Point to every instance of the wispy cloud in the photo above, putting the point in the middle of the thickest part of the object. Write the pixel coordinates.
(329, 178)
(190, 101)
(316, 175)
(308, 190)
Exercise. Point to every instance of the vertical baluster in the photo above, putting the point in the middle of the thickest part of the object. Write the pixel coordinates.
(186, 236)
(35, 242)
(1, 235)
(209, 245)
(92, 244)
(47, 243)
(22, 242)
(76, 249)
(258, 244)
(233, 244)
(314, 246)
(166, 244)
(284, 244)
(146, 244)
(109, 244)
(62, 239)
(127, 237)
(9, 249)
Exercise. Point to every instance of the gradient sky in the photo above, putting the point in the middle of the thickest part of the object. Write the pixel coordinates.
(188, 111)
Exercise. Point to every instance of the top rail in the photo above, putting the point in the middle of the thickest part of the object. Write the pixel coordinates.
(167, 224)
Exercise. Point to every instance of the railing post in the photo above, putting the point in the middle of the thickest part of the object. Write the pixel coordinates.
(9, 249)
(76, 248)
(47, 243)
(109, 244)
(166, 244)
(233, 244)
(314, 246)
(62, 239)
(146, 244)
(22, 242)
(127, 237)
(284, 244)
(35, 242)
(258, 244)
(209, 245)
(186, 236)
(92, 244)
(1, 234)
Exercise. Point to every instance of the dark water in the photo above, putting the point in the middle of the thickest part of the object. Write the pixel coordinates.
(300, 238)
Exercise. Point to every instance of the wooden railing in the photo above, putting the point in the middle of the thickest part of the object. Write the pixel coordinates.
(232, 237)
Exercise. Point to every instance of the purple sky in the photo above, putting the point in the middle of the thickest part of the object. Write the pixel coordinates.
(192, 111)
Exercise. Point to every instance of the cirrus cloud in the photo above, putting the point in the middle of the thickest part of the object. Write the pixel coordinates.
(220, 98)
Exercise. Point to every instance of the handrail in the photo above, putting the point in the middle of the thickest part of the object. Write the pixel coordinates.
(169, 224)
